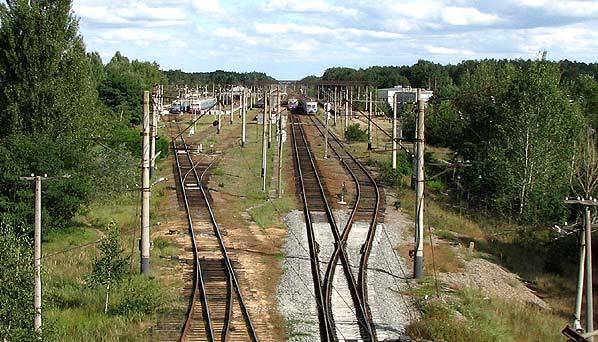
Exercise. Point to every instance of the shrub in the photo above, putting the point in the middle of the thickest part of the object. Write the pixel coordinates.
(355, 133)
(138, 296)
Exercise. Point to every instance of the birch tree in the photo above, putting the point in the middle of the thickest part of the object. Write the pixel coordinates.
(111, 266)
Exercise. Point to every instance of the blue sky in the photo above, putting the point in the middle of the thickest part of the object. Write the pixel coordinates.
(291, 39)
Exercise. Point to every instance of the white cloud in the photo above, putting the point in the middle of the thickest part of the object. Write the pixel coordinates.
(440, 50)
(467, 16)
(307, 6)
(580, 8)
(131, 13)
(208, 7)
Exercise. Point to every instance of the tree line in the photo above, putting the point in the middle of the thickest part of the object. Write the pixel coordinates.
(216, 78)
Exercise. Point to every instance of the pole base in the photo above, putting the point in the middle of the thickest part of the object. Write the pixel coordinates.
(369, 146)
(418, 267)
(145, 265)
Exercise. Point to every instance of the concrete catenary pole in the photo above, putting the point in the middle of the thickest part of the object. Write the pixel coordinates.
(145, 204)
(346, 109)
(369, 100)
(394, 131)
(280, 156)
(335, 104)
(327, 111)
(419, 211)
(232, 105)
(580, 280)
(219, 111)
(243, 119)
(37, 255)
(264, 140)
(589, 295)
(154, 131)
(270, 101)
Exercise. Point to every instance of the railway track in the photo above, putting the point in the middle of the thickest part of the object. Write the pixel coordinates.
(354, 323)
(368, 206)
(216, 310)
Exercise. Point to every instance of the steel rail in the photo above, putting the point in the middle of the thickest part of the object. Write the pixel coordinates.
(326, 331)
(339, 252)
(367, 246)
(232, 279)
(198, 283)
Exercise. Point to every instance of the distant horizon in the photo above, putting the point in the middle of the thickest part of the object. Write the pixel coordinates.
(289, 39)
(369, 66)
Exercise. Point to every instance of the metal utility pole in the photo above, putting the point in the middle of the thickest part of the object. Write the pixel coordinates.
(419, 209)
(394, 131)
(243, 118)
(369, 100)
(145, 204)
(264, 141)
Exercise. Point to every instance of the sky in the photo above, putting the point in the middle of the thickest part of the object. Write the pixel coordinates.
(290, 39)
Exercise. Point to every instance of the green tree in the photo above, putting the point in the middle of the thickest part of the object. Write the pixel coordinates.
(44, 125)
(110, 267)
(519, 128)
(16, 287)
(44, 72)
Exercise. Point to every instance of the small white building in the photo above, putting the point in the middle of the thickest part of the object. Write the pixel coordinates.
(405, 94)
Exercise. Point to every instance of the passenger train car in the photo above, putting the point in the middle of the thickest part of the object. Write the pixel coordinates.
(309, 107)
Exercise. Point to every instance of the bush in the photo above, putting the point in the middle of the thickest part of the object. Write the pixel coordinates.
(390, 176)
(138, 296)
(354, 133)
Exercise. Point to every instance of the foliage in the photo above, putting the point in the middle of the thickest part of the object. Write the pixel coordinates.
(585, 165)
(16, 287)
(138, 296)
(44, 72)
(216, 78)
(517, 129)
(584, 89)
(111, 267)
(124, 83)
(355, 133)
(386, 172)
(43, 129)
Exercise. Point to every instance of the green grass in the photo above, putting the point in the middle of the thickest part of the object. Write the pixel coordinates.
(469, 316)
(239, 175)
(75, 309)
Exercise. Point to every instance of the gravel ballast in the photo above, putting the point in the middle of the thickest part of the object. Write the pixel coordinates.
(390, 309)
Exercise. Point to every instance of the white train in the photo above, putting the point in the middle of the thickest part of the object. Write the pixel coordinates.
(310, 107)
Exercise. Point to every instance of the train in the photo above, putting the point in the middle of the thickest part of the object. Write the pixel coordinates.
(307, 106)
(293, 104)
